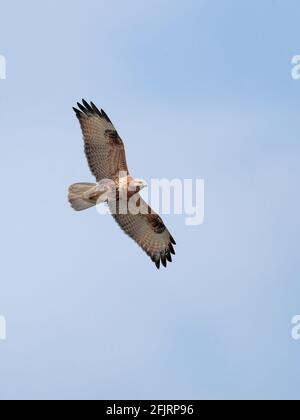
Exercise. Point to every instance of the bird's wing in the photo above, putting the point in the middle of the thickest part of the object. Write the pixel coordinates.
(104, 148)
(148, 231)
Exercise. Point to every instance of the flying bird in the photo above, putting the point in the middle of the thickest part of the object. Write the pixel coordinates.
(106, 157)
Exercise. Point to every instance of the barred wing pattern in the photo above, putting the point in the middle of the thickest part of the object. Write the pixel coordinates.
(149, 232)
(104, 148)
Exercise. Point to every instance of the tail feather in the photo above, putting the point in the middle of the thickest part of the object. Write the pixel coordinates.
(78, 197)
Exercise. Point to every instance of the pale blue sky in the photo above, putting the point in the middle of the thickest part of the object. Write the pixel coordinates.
(198, 89)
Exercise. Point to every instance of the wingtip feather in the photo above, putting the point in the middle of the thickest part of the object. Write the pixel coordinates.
(164, 261)
(173, 240)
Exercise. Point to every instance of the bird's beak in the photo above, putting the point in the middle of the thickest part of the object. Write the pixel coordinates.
(144, 185)
(140, 183)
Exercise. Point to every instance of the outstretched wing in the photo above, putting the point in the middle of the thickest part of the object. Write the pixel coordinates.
(104, 148)
(149, 232)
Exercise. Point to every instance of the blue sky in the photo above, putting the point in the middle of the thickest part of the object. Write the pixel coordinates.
(197, 89)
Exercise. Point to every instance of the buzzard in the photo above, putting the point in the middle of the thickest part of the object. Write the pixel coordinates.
(106, 157)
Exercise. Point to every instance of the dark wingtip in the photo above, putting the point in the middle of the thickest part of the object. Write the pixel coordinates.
(88, 107)
(171, 248)
(78, 113)
(157, 263)
(82, 108)
(169, 257)
(105, 116)
(164, 261)
(95, 109)
(172, 240)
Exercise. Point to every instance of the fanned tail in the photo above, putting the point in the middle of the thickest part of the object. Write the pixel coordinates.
(79, 196)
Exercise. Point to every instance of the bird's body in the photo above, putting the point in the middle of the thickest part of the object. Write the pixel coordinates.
(106, 156)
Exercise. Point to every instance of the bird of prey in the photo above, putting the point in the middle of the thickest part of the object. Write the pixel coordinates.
(106, 157)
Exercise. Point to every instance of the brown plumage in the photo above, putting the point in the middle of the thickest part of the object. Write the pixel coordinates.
(104, 149)
(106, 157)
